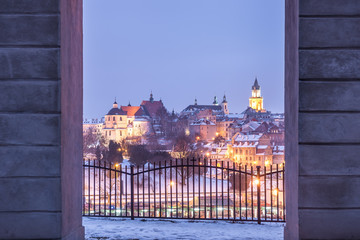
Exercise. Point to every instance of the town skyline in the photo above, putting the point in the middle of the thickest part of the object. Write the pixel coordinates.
(151, 46)
(198, 101)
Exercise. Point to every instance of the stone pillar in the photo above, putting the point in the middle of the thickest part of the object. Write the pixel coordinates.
(323, 125)
(40, 119)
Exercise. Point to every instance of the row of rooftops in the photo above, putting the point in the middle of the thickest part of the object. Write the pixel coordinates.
(146, 109)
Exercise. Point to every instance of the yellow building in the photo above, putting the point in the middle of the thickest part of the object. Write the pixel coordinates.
(115, 125)
(256, 100)
(251, 149)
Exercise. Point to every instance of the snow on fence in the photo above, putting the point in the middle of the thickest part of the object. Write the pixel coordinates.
(184, 189)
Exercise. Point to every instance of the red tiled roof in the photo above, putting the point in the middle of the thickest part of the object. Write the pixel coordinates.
(130, 110)
(152, 107)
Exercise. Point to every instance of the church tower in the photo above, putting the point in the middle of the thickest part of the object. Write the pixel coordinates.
(256, 100)
(224, 105)
(151, 97)
(215, 102)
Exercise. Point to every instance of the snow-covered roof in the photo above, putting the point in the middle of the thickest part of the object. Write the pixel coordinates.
(202, 121)
(235, 115)
(248, 138)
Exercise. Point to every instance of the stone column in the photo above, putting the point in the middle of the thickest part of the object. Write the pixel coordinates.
(40, 119)
(323, 149)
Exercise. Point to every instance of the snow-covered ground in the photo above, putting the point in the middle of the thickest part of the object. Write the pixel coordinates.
(118, 228)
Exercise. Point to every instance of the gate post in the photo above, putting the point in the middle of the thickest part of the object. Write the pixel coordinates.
(258, 195)
(132, 191)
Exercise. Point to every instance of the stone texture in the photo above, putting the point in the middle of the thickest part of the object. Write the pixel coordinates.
(29, 6)
(329, 224)
(27, 225)
(38, 63)
(15, 30)
(329, 160)
(329, 192)
(26, 96)
(329, 127)
(329, 32)
(329, 96)
(29, 161)
(30, 129)
(41, 130)
(329, 7)
(30, 194)
(331, 64)
(291, 119)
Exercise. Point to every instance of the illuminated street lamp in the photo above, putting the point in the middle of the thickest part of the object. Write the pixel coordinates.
(275, 192)
(256, 182)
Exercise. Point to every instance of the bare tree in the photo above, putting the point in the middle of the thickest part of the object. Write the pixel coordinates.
(89, 141)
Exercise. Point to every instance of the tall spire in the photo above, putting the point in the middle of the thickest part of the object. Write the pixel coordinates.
(129, 105)
(215, 102)
(224, 99)
(151, 97)
(256, 85)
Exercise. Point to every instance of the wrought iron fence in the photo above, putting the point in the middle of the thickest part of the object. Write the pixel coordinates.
(184, 189)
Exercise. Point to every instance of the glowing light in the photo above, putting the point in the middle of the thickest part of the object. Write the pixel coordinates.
(207, 154)
(116, 165)
(256, 181)
(255, 162)
(266, 162)
(217, 134)
(275, 192)
(197, 138)
(172, 183)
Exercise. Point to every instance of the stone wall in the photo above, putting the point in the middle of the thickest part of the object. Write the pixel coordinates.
(325, 159)
(39, 171)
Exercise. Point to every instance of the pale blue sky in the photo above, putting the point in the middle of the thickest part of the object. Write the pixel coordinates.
(182, 49)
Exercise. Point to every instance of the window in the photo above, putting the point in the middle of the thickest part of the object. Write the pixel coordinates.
(113, 118)
(109, 133)
(120, 118)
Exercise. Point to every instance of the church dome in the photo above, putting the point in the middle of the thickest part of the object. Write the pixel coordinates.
(116, 111)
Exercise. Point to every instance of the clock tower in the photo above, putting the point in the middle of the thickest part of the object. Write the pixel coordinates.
(256, 100)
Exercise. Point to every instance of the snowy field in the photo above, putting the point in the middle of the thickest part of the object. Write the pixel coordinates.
(117, 228)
